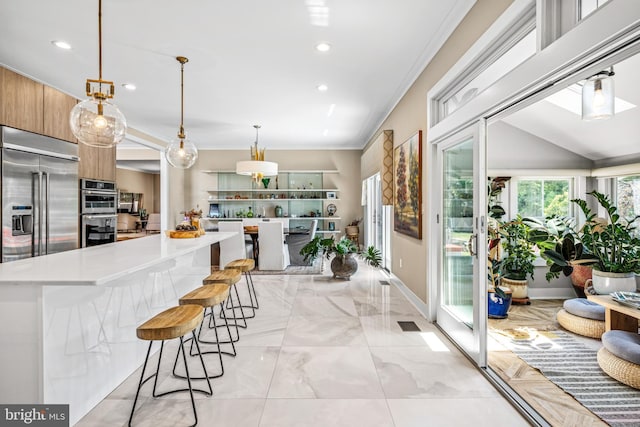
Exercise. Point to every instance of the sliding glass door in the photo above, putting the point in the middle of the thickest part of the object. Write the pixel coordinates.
(461, 248)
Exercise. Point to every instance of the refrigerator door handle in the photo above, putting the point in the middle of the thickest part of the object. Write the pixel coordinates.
(46, 213)
(37, 204)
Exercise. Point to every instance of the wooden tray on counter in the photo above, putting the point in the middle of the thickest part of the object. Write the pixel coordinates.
(181, 234)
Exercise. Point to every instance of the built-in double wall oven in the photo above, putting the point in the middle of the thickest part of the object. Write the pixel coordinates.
(98, 217)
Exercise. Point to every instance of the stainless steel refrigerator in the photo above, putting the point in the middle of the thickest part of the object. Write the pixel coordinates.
(39, 195)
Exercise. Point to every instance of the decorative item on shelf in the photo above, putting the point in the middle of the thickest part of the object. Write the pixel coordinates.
(257, 167)
(181, 153)
(265, 182)
(278, 212)
(96, 121)
(598, 96)
(331, 194)
(332, 226)
(331, 209)
(250, 213)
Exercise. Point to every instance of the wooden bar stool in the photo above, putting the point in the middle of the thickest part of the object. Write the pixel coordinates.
(246, 265)
(172, 323)
(208, 297)
(230, 277)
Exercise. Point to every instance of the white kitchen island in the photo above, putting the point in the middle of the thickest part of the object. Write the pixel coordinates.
(68, 320)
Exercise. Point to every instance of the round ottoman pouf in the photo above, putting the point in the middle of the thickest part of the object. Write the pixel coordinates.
(587, 327)
(584, 308)
(619, 357)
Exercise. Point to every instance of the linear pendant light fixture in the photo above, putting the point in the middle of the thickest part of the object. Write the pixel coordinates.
(598, 96)
(96, 121)
(257, 167)
(181, 153)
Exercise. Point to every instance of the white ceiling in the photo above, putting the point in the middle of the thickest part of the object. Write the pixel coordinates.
(595, 140)
(250, 62)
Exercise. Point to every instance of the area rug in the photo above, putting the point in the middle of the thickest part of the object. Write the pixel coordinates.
(573, 367)
(315, 268)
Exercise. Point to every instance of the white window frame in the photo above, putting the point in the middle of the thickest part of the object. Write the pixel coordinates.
(513, 192)
(511, 27)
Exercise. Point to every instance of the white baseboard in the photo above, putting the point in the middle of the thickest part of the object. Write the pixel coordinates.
(408, 293)
(551, 293)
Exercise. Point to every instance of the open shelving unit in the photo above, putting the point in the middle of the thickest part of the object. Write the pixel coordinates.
(301, 195)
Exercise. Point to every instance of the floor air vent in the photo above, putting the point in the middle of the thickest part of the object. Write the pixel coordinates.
(408, 326)
(385, 283)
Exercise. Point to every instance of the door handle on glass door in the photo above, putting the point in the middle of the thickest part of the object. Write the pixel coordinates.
(472, 243)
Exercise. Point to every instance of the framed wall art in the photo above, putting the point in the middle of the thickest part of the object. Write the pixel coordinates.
(407, 195)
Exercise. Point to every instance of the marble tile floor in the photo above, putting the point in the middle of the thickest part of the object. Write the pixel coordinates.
(326, 353)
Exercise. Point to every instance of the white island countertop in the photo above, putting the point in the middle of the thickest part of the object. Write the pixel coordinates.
(100, 264)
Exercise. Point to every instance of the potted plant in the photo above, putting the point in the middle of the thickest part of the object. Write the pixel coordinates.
(519, 255)
(498, 297)
(613, 245)
(343, 264)
(372, 257)
(560, 246)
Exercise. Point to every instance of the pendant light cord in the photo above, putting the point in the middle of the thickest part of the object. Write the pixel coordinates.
(181, 135)
(100, 41)
(182, 60)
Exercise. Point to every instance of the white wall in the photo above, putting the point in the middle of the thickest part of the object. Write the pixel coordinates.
(512, 148)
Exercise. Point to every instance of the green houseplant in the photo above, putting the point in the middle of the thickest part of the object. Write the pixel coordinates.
(608, 245)
(517, 262)
(343, 264)
(561, 248)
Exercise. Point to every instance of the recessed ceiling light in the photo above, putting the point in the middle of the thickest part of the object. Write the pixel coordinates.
(323, 87)
(129, 86)
(332, 107)
(61, 44)
(323, 47)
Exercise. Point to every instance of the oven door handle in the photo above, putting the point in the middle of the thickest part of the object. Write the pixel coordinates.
(101, 193)
(99, 216)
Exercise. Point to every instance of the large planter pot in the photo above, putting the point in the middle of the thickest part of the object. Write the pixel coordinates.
(343, 267)
(579, 276)
(519, 288)
(498, 307)
(604, 283)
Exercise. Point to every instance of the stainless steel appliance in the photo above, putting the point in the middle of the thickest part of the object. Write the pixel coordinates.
(39, 195)
(98, 217)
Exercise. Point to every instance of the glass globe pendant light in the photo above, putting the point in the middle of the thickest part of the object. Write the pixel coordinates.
(96, 121)
(181, 153)
(598, 97)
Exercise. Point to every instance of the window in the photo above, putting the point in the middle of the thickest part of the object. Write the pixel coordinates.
(497, 53)
(587, 7)
(514, 56)
(628, 197)
(543, 197)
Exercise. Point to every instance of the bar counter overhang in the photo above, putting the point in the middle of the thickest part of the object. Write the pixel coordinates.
(68, 320)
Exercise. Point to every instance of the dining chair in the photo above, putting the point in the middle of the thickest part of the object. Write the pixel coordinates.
(234, 247)
(274, 252)
(297, 241)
